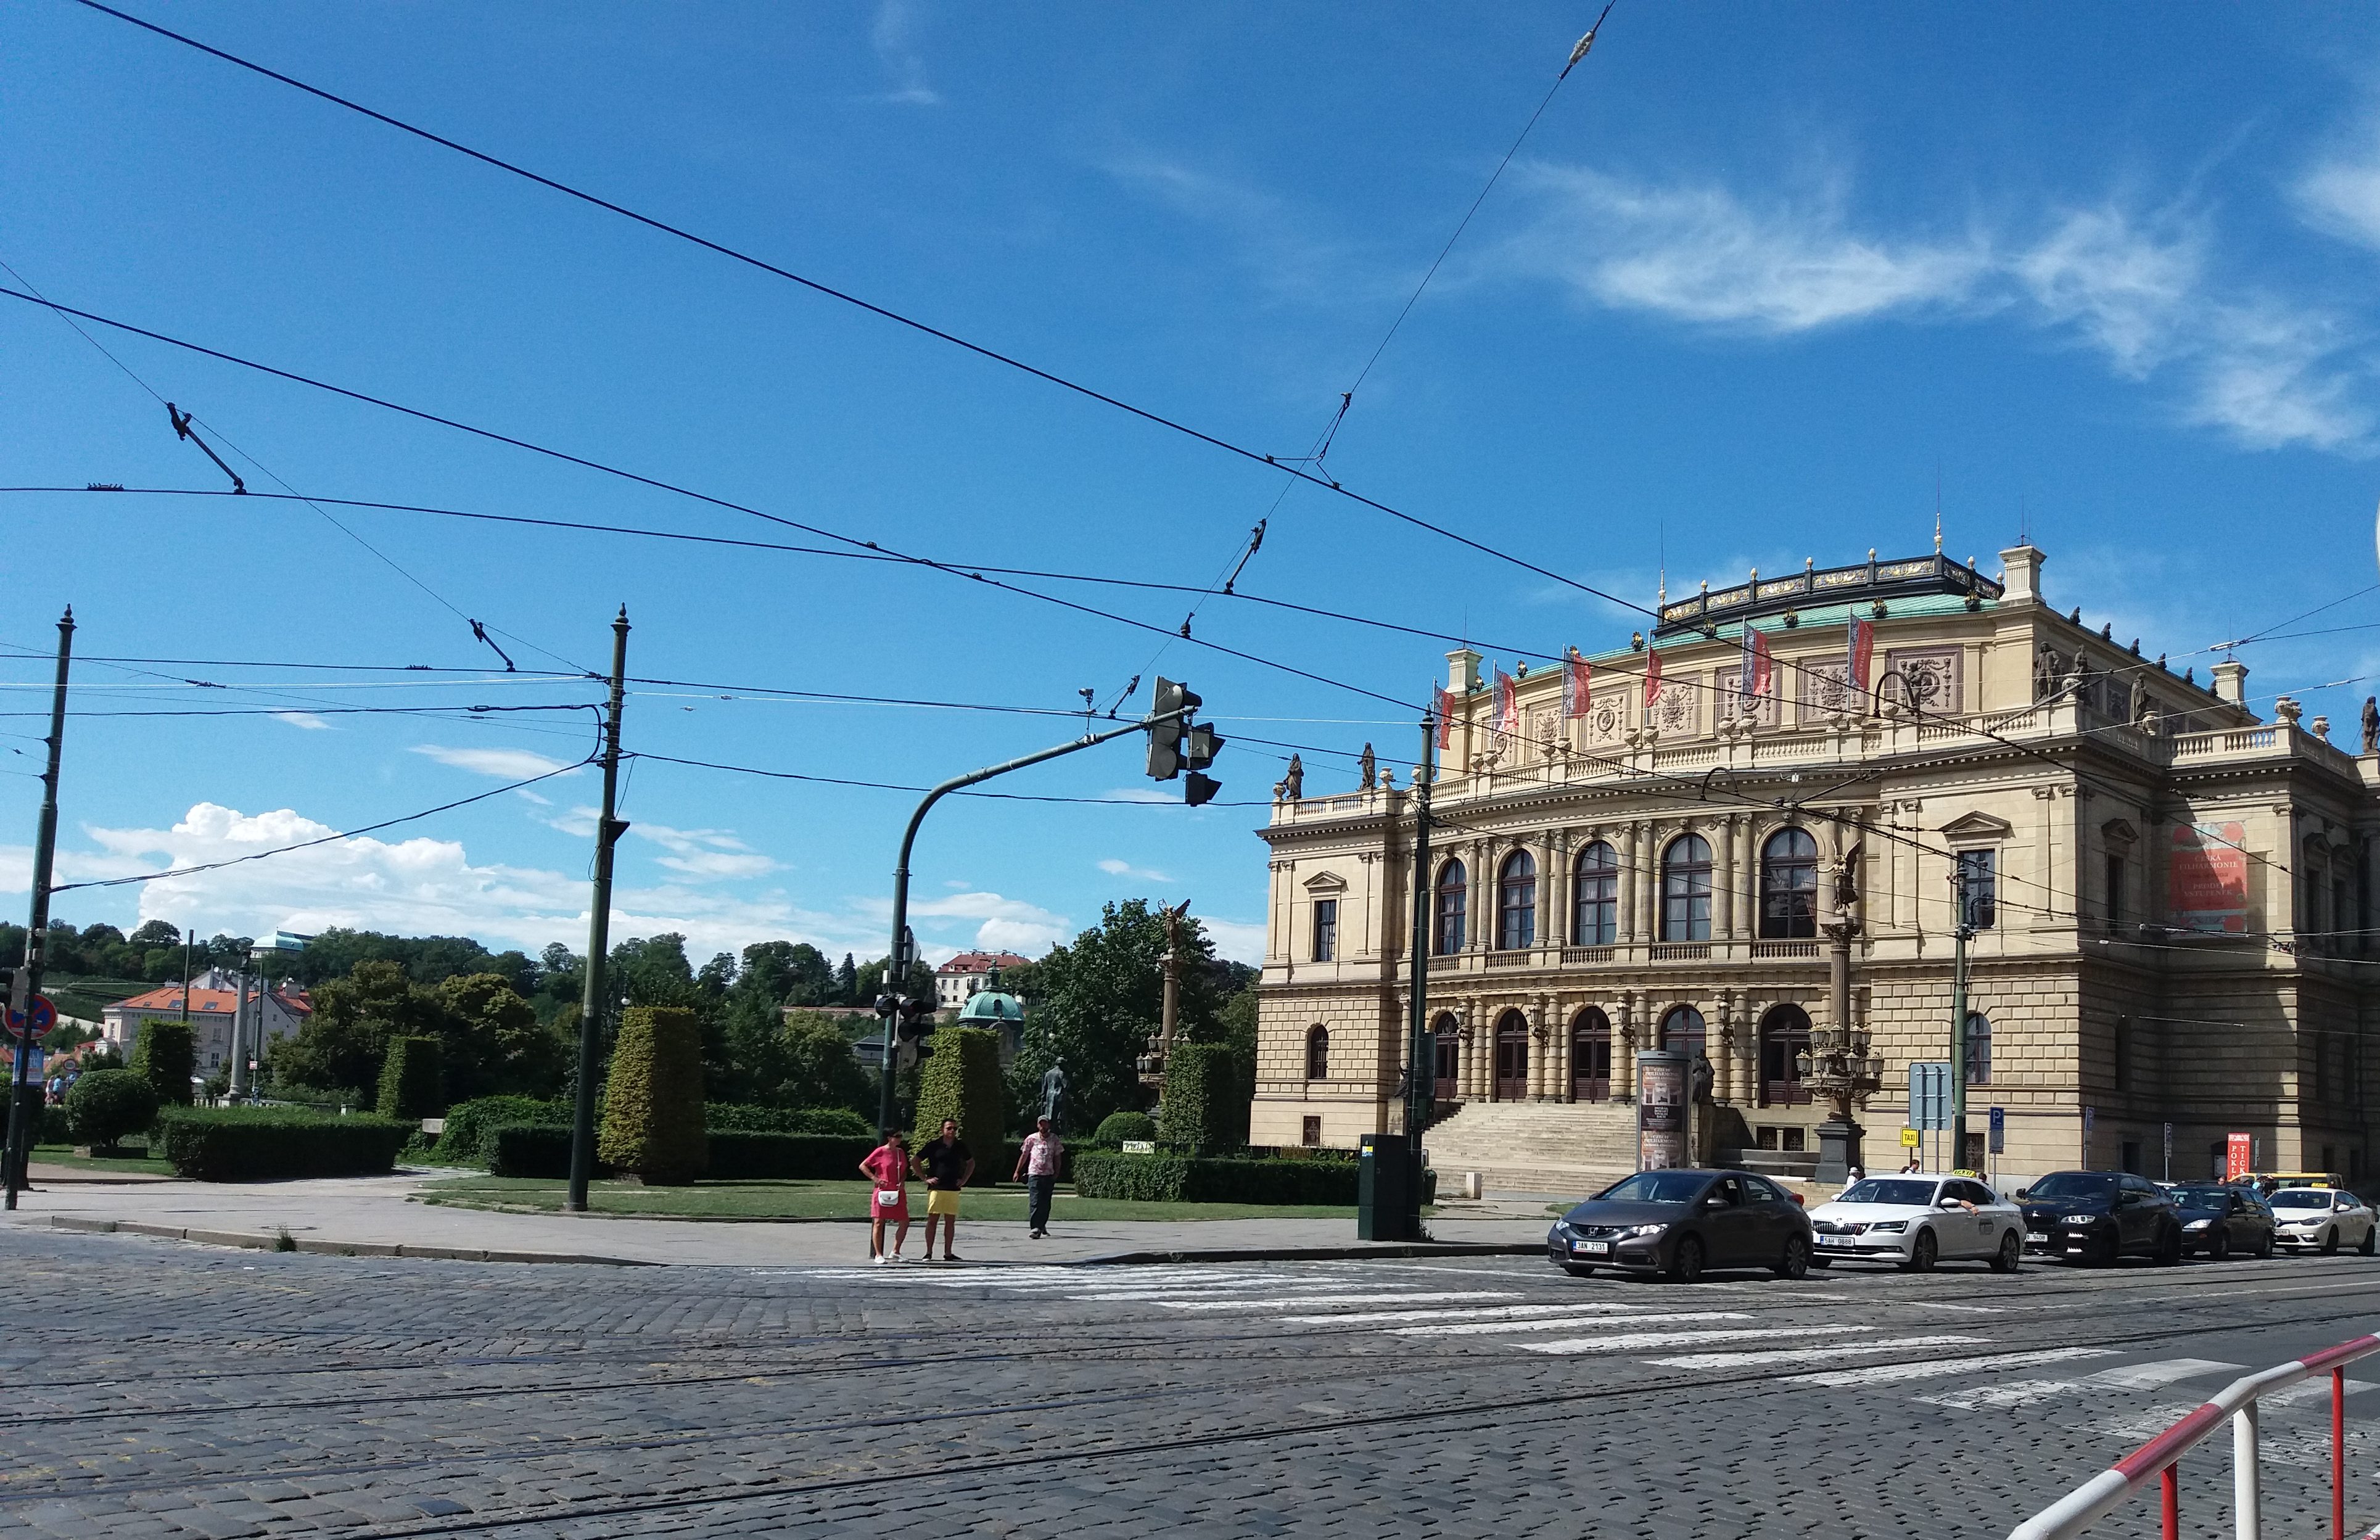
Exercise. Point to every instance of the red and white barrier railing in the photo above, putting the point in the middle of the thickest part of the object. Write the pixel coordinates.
(2159, 1458)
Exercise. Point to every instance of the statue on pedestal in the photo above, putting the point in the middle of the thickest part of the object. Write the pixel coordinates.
(1291, 786)
(1365, 771)
(1054, 1096)
(2371, 725)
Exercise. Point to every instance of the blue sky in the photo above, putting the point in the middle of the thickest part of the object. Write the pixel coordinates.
(1762, 279)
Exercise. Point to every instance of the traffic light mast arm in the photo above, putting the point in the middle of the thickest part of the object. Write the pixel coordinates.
(909, 838)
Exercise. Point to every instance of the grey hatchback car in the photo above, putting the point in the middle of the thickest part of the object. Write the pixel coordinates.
(1677, 1223)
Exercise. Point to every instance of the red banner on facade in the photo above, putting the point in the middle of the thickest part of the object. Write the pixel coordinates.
(1652, 679)
(2206, 879)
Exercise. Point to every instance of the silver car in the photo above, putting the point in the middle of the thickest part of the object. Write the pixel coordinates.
(2323, 1218)
(1916, 1221)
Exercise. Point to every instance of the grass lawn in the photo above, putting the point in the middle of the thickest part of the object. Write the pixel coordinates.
(128, 1165)
(827, 1200)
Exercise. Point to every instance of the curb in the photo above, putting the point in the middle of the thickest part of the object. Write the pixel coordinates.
(238, 1240)
(1319, 1253)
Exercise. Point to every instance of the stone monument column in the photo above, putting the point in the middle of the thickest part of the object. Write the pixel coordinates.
(1723, 880)
(1625, 839)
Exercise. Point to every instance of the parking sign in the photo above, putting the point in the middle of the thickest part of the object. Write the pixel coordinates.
(2000, 1131)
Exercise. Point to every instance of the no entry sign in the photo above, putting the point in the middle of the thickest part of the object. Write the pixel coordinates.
(38, 1013)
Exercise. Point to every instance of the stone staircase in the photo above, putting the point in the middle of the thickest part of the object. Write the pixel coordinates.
(1564, 1148)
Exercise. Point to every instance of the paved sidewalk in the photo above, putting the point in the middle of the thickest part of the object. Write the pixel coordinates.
(371, 1215)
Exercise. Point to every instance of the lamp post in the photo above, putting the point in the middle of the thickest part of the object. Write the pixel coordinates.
(1840, 1067)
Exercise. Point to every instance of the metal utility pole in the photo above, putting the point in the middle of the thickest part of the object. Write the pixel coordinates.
(591, 1005)
(894, 984)
(1421, 1084)
(27, 982)
(1959, 933)
(238, 1085)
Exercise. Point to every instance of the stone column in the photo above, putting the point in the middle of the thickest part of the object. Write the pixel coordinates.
(1723, 1061)
(1540, 1049)
(1483, 890)
(1625, 839)
(1748, 880)
(1645, 892)
(1723, 881)
(1624, 1050)
(1553, 861)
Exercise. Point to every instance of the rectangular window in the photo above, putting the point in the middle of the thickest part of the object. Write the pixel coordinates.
(2132, 1156)
(2115, 893)
(1311, 1134)
(2123, 1054)
(2341, 922)
(1977, 873)
(1326, 929)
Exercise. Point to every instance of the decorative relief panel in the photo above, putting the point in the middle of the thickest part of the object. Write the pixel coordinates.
(1678, 712)
(1932, 679)
(1606, 723)
(1825, 690)
(1766, 711)
(1542, 724)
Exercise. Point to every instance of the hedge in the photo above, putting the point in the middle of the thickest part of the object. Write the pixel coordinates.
(467, 1123)
(653, 1111)
(1116, 1127)
(250, 1143)
(412, 1082)
(744, 1118)
(1181, 1179)
(104, 1106)
(962, 1081)
(1202, 1087)
(527, 1149)
(806, 1157)
(166, 1055)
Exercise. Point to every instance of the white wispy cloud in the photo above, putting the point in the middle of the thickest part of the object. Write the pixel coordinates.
(2139, 289)
(1237, 940)
(893, 38)
(502, 764)
(2338, 192)
(306, 720)
(1001, 924)
(715, 863)
(1115, 867)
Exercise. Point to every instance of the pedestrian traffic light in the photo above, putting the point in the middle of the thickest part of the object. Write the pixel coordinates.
(1199, 746)
(1199, 789)
(916, 1023)
(1169, 718)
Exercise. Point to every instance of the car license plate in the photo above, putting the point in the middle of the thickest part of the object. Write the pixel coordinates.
(1592, 1248)
(1834, 1240)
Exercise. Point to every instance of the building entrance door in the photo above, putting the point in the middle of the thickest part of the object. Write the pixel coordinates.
(1450, 1064)
(1590, 1057)
(1513, 1058)
(1784, 1034)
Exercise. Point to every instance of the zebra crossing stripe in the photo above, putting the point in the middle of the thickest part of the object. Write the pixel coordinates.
(1564, 1323)
(1759, 1358)
(1309, 1300)
(1449, 1312)
(2152, 1376)
(1886, 1373)
(1631, 1341)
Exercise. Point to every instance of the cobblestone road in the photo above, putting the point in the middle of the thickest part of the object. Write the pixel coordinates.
(176, 1391)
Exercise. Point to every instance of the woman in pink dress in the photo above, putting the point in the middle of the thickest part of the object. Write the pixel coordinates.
(887, 1165)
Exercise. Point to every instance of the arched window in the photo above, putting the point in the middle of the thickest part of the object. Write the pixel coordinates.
(1594, 897)
(1513, 1057)
(1590, 1056)
(1516, 902)
(1317, 1053)
(1450, 1057)
(1789, 886)
(1979, 1048)
(1684, 1030)
(1784, 1035)
(1453, 906)
(1686, 889)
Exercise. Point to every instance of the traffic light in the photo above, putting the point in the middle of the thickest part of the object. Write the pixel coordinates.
(1199, 746)
(915, 1024)
(1199, 789)
(1174, 705)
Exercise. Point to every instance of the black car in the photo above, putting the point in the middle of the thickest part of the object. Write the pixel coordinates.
(1679, 1222)
(2097, 1216)
(2222, 1221)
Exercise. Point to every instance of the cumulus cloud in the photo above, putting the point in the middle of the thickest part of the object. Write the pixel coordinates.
(1237, 940)
(1115, 867)
(502, 764)
(2141, 290)
(1001, 924)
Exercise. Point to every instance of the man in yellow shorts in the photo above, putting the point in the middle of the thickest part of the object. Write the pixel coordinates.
(946, 1164)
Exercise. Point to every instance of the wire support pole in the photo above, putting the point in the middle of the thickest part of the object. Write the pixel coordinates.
(1959, 931)
(909, 838)
(28, 981)
(608, 829)
(1421, 1082)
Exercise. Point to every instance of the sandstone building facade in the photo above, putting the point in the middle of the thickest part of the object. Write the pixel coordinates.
(2170, 897)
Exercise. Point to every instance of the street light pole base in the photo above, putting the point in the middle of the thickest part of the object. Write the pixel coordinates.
(1839, 1150)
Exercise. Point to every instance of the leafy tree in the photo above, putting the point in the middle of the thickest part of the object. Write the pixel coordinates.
(820, 1070)
(164, 1054)
(652, 971)
(495, 1044)
(156, 933)
(1097, 1003)
(869, 982)
(341, 1046)
(411, 1080)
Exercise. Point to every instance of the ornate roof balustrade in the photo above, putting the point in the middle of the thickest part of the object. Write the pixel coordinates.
(1866, 580)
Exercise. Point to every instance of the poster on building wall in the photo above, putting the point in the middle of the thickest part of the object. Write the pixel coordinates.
(2238, 1155)
(1661, 1109)
(2206, 879)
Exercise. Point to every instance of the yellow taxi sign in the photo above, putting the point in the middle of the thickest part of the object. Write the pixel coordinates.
(1908, 1138)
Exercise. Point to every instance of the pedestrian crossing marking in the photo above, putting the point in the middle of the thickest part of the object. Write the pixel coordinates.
(1763, 1358)
(2151, 1377)
(2014, 1393)
(1309, 1300)
(1886, 1373)
(1629, 1341)
(1571, 1319)
(1448, 1312)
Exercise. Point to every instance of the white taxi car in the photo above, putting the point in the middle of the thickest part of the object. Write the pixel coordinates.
(1916, 1221)
(2322, 1219)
